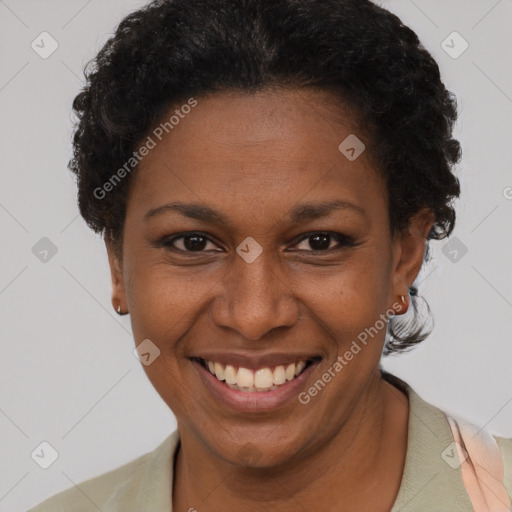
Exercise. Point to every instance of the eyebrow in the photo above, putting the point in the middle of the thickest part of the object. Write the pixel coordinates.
(299, 213)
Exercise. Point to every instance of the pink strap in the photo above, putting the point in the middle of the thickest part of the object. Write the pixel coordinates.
(482, 467)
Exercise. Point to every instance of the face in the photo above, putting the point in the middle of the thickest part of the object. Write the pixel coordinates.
(252, 241)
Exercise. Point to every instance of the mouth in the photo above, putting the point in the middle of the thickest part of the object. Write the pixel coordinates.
(262, 379)
(260, 389)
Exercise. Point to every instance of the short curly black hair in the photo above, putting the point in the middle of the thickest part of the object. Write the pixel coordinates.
(172, 50)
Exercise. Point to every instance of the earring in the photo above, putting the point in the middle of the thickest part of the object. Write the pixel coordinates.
(118, 310)
(405, 303)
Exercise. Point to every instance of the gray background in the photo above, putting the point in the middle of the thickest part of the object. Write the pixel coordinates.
(67, 372)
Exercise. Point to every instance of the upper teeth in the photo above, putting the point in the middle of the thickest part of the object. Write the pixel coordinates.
(262, 379)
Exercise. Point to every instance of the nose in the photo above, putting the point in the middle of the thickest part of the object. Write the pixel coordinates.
(256, 298)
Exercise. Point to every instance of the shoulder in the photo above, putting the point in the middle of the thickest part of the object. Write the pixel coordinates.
(473, 462)
(490, 458)
(505, 446)
(113, 488)
(90, 495)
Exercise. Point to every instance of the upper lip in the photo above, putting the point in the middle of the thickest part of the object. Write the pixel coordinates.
(254, 361)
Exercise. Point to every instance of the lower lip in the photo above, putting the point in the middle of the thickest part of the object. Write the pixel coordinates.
(256, 401)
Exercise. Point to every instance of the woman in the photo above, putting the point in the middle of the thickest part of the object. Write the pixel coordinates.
(267, 177)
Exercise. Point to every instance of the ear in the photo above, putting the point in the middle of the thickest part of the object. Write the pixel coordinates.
(116, 272)
(409, 249)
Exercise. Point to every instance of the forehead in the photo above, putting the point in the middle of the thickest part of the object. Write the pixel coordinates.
(257, 153)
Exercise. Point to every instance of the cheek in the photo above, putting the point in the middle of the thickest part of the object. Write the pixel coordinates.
(167, 299)
(360, 285)
(165, 377)
(164, 312)
(350, 299)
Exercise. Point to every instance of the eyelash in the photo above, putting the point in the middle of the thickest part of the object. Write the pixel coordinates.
(343, 241)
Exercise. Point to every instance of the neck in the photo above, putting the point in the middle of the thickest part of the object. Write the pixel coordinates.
(359, 466)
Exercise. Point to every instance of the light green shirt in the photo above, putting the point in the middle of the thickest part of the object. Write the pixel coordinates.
(428, 484)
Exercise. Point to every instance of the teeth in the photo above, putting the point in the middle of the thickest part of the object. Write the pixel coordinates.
(290, 371)
(263, 379)
(230, 374)
(245, 378)
(219, 371)
(279, 375)
(300, 366)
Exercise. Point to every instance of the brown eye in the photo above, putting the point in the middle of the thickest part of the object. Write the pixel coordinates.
(194, 242)
(186, 242)
(321, 241)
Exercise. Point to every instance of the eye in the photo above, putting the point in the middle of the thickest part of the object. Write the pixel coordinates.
(321, 241)
(186, 242)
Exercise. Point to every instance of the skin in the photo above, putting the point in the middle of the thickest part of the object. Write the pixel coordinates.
(253, 158)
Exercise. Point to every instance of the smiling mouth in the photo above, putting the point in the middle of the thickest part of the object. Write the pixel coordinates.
(262, 379)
